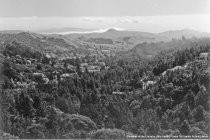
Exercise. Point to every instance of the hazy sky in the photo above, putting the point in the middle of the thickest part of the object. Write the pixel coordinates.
(145, 15)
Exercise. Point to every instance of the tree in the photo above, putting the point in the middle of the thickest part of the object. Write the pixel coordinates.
(190, 97)
(185, 128)
(202, 98)
(198, 113)
(39, 66)
(78, 70)
(108, 134)
(153, 129)
(62, 104)
(183, 38)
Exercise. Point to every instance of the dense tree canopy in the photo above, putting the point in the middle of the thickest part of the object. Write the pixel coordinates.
(167, 95)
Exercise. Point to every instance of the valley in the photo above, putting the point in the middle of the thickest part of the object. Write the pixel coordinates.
(115, 84)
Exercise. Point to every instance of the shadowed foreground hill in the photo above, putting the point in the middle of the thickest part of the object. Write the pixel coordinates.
(38, 42)
(3, 135)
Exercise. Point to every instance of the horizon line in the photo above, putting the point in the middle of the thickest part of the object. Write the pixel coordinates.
(97, 31)
(199, 22)
(116, 16)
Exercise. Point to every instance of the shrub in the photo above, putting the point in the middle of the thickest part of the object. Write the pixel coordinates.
(4, 136)
(80, 122)
(197, 132)
(170, 132)
(185, 128)
(108, 134)
(198, 113)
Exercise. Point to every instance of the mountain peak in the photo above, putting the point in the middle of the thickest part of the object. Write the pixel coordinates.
(111, 30)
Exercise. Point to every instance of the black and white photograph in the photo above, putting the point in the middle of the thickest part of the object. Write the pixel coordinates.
(104, 69)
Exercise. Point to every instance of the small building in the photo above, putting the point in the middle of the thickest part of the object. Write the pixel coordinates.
(84, 64)
(68, 75)
(40, 78)
(118, 92)
(101, 64)
(70, 67)
(91, 71)
(94, 69)
(146, 84)
(204, 56)
(28, 62)
(176, 68)
(173, 69)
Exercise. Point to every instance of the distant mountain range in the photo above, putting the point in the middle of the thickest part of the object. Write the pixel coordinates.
(64, 30)
(132, 38)
(121, 39)
(187, 33)
(122, 36)
(116, 33)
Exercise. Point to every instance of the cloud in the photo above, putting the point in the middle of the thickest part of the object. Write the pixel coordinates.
(94, 19)
(113, 19)
(130, 19)
(142, 23)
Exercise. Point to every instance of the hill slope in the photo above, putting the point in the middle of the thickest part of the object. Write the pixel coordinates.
(38, 42)
(132, 38)
(148, 50)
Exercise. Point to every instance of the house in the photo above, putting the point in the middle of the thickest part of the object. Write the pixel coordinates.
(101, 64)
(107, 52)
(18, 56)
(65, 75)
(176, 68)
(70, 67)
(94, 69)
(48, 56)
(21, 85)
(164, 73)
(84, 64)
(91, 71)
(146, 84)
(68, 75)
(40, 78)
(38, 74)
(204, 56)
(121, 93)
(118, 92)
(106, 67)
(28, 62)
(173, 69)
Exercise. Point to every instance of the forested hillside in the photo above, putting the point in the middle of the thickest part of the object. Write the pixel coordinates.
(38, 42)
(168, 95)
(149, 50)
(136, 37)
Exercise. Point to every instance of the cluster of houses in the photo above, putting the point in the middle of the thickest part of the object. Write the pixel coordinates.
(96, 67)
(20, 60)
(41, 77)
(202, 56)
(61, 71)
